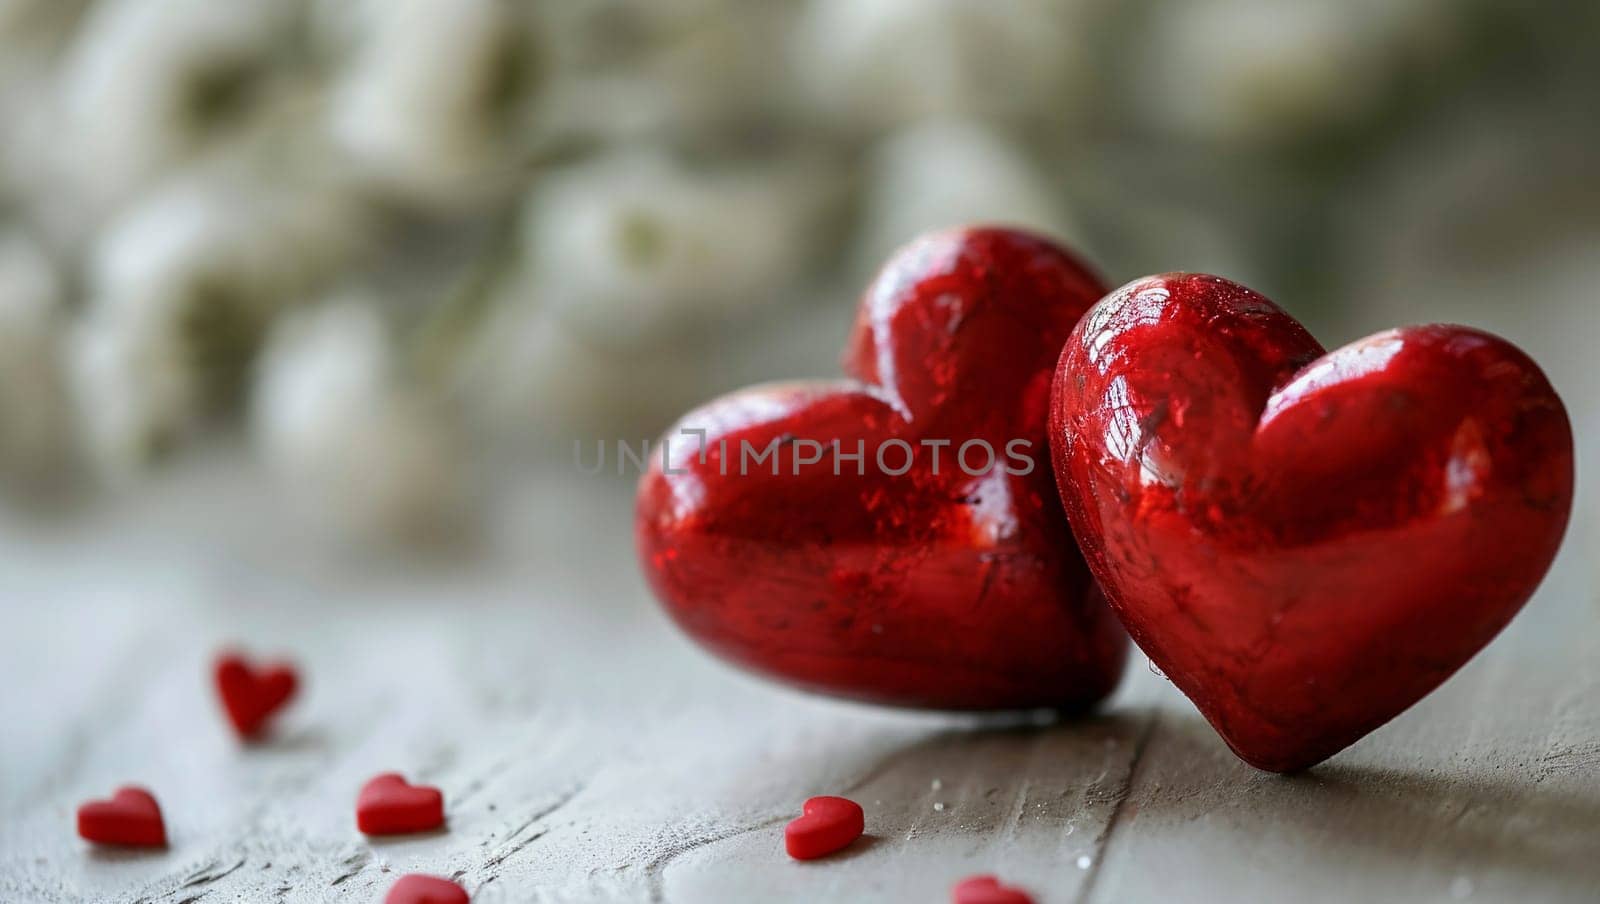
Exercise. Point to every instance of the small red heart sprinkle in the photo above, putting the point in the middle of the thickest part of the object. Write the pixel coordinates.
(828, 825)
(131, 817)
(419, 889)
(987, 890)
(250, 695)
(388, 805)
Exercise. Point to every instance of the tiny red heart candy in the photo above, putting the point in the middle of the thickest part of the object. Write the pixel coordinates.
(926, 561)
(1305, 543)
(387, 805)
(419, 889)
(829, 824)
(250, 695)
(987, 890)
(131, 817)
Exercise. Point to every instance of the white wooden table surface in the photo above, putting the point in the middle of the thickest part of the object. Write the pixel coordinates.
(587, 752)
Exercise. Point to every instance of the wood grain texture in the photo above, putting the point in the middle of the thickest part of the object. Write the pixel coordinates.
(588, 753)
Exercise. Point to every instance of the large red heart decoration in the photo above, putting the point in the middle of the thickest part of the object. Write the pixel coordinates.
(131, 817)
(250, 695)
(910, 575)
(1304, 543)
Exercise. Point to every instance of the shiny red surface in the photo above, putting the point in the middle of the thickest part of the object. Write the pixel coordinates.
(924, 589)
(1305, 544)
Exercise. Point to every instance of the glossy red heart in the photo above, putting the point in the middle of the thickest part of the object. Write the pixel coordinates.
(131, 817)
(250, 696)
(388, 805)
(419, 889)
(1304, 543)
(987, 890)
(827, 824)
(902, 578)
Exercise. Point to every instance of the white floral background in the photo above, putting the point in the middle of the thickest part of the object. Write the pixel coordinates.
(395, 248)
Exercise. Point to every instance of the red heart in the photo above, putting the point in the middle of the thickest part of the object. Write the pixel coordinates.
(829, 824)
(250, 696)
(932, 587)
(987, 890)
(1304, 543)
(389, 806)
(419, 889)
(131, 817)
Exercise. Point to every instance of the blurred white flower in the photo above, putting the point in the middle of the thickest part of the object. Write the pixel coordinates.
(25, 20)
(147, 81)
(14, 15)
(528, 372)
(947, 173)
(1262, 71)
(32, 146)
(432, 102)
(888, 61)
(321, 366)
(625, 69)
(633, 245)
(133, 396)
(363, 456)
(25, 73)
(35, 429)
(181, 288)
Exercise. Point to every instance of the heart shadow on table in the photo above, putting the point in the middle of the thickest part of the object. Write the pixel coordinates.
(113, 853)
(1433, 819)
(971, 772)
(399, 838)
(304, 739)
(1145, 766)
